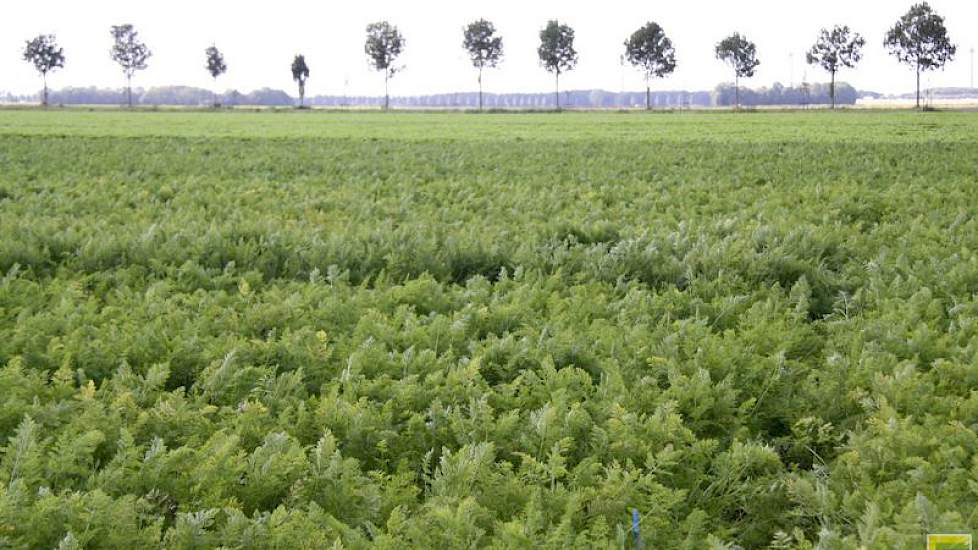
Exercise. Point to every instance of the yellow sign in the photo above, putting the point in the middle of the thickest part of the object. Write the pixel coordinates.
(948, 542)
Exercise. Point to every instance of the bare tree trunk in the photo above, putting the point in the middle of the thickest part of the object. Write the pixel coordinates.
(44, 102)
(387, 97)
(832, 89)
(302, 93)
(648, 94)
(918, 85)
(480, 88)
(736, 90)
(557, 90)
(129, 90)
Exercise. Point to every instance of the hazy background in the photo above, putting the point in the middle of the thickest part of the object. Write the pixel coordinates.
(259, 40)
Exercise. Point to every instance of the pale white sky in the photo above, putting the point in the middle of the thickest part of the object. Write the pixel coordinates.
(260, 38)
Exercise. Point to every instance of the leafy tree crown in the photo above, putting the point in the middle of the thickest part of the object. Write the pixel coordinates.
(300, 71)
(384, 44)
(920, 38)
(127, 50)
(215, 62)
(484, 47)
(836, 48)
(651, 50)
(556, 51)
(739, 53)
(43, 52)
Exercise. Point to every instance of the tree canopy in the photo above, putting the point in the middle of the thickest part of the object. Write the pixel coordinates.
(739, 53)
(484, 46)
(215, 62)
(44, 53)
(556, 51)
(128, 51)
(836, 48)
(384, 45)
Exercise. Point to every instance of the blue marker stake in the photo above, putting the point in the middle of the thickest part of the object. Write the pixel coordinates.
(635, 530)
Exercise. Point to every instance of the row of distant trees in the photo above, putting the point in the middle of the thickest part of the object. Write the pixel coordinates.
(919, 39)
(802, 94)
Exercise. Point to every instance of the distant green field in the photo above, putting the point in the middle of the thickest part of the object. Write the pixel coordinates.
(820, 126)
(368, 330)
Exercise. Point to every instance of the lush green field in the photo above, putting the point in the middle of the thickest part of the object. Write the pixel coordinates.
(309, 330)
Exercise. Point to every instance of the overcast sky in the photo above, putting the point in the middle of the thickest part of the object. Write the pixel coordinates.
(260, 38)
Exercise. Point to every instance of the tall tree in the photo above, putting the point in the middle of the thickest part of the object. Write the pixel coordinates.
(920, 39)
(741, 54)
(557, 53)
(384, 44)
(300, 73)
(484, 47)
(835, 49)
(44, 53)
(216, 67)
(129, 53)
(650, 50)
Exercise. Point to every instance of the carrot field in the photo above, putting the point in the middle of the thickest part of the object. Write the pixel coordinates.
(450, 330)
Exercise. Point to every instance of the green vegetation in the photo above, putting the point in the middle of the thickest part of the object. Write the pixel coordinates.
(312, 330)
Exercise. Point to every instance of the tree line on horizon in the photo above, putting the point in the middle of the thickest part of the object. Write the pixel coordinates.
(800, 94)
(918, 39)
